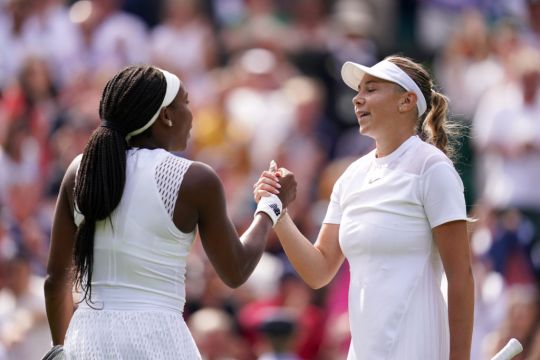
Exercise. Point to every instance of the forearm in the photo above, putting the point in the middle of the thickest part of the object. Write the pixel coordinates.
(308, 261)
(253, 244)
(460, 315)
(59, 307)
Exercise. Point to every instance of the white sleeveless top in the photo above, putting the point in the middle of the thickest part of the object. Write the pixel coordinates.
(139, 254)
(387, 208)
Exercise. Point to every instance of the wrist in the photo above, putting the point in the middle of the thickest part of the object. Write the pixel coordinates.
(271, 206)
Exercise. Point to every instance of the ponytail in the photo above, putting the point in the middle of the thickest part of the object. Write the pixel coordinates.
(433, 126)
(128, 102)
(98, 190)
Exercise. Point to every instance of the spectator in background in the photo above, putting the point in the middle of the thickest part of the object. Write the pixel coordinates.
(113, 38)
(22, 310)
(520, 322)
(13, 17)
(19, 159)
(215, 335)
(306, 146)
(184, 43)
(257, 107)
(510, 145)
(353, 38)
(296, 300)
(466, 67)
(279, 330)
(52, 36)
(531, 33)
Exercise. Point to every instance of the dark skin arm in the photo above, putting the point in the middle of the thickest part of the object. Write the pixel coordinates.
(58, 283)
(201, 202)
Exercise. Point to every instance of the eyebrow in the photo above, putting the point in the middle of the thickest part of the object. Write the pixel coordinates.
(369, 82)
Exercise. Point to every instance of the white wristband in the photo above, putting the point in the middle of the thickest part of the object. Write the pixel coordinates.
(270, 205)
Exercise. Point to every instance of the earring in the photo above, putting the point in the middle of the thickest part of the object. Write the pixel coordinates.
(169, 122)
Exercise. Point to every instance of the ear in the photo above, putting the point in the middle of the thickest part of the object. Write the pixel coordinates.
(407, 102)
(165, 118)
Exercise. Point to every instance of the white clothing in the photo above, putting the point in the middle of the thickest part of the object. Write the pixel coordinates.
(184, 48)
(386, 208)
(138, 280)
(511, 181)
(120, 40)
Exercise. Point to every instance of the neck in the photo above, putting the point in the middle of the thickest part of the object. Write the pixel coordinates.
(389, 144)
(145, 142)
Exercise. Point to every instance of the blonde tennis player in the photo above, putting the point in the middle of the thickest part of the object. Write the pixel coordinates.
(398, 216)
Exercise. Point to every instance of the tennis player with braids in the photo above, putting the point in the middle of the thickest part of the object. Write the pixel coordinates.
(398, 216)
(126, 218)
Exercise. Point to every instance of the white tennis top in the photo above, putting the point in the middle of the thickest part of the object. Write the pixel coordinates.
(386, 208)
(140, 255)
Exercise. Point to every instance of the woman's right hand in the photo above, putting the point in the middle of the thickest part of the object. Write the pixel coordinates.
(280, 182)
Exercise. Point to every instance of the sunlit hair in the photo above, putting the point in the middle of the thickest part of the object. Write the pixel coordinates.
(433, 126)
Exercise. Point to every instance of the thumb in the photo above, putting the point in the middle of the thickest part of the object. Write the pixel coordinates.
(273, 166)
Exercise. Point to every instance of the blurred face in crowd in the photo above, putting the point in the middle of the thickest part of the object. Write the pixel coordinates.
(530, 82)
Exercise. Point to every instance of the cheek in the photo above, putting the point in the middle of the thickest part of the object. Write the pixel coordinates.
(384, 105)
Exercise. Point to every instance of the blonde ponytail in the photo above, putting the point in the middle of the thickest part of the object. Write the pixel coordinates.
(435, 127)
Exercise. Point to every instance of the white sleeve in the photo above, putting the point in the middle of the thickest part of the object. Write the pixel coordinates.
(443, 196)
(333, 213)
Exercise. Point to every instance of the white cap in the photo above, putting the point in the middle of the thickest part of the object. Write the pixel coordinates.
(352, 73)
(173, 86)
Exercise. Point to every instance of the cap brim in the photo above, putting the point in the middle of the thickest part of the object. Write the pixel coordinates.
(352, 73)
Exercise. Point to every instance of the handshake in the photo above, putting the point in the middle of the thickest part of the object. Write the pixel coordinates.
(274, 191)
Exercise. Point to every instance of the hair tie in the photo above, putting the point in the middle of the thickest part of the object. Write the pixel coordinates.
(113, 126)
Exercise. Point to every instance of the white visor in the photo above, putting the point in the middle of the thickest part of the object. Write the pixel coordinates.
(352, 74)
(173, 86)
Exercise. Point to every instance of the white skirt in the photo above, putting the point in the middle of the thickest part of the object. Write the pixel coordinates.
(112, 334)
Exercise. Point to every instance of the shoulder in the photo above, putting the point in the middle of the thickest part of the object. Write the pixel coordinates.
(202, 187)
(70, 177)
(72, 170)
(437, 168)
(201, 177)
(429, 157)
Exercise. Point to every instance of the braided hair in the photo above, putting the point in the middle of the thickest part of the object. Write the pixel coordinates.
(127, 103)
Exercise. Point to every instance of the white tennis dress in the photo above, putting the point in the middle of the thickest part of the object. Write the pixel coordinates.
(386, 208)
(139, 271)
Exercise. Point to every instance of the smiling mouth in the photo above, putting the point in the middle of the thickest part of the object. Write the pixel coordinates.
(362, 114)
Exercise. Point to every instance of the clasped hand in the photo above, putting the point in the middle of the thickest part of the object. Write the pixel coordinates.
(280, 182)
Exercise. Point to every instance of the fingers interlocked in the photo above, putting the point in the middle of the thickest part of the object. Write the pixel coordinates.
(267, 184)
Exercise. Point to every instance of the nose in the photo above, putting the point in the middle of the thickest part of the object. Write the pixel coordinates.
(358, 100)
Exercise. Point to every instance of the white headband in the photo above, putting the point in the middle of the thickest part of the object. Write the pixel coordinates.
(352, 74)
(173, 86)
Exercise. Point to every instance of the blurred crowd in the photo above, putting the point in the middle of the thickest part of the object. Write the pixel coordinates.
(263, 80)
